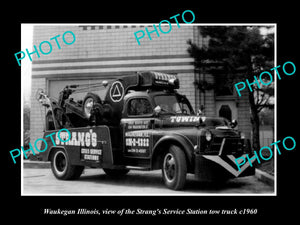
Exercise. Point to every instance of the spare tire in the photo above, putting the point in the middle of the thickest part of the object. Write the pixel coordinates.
(89, 101)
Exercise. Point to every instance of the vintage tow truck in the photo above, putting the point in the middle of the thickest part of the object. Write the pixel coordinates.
(141, 122)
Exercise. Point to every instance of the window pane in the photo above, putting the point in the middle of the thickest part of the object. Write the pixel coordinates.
(139, 106)
(168, 103)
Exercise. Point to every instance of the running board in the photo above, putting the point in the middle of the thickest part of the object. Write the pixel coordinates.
(137, 168)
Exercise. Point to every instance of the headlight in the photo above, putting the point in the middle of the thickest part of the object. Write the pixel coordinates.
(88, 105)
(208, 135)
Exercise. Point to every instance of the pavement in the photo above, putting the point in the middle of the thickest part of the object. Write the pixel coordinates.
(39, 181)
(259, 174)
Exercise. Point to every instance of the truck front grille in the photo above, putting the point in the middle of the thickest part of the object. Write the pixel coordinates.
(225, 146)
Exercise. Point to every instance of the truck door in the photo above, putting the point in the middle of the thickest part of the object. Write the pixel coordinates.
(137, 124)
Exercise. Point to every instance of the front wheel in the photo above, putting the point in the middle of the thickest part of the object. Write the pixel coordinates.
(61, 167)
(174, 168)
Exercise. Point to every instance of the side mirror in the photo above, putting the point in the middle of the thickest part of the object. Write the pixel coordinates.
(233, 123)
(200, 111)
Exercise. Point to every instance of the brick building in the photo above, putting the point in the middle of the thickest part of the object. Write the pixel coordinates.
(110, 51)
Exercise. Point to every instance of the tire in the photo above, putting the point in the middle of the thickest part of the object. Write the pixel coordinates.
(116, 172)
(89, 100)
(174, 168)
(61, 167)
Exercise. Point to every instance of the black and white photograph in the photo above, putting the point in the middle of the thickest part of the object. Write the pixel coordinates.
(142, 115)
(159, 117)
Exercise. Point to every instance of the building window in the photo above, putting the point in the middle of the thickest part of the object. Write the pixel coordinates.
(225, 112)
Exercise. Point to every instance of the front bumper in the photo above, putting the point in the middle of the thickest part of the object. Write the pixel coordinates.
(216, 167)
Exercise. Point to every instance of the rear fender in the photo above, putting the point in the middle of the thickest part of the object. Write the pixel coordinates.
(73, 156)
(51, 151)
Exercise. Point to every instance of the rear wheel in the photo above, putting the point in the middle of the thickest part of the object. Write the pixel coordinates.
(174, 168)
(61, 167)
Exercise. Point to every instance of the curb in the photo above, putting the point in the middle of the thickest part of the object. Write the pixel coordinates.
(35, 164)
(264, 177)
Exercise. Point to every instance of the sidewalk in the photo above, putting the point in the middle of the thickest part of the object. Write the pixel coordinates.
(35, 164)
(264, 177)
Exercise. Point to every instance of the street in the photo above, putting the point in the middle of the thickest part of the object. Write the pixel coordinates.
(41, 181)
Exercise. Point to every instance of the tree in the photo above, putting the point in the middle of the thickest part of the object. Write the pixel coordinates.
(239, 52)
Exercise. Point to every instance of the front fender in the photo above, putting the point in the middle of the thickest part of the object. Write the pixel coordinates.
(175, 139)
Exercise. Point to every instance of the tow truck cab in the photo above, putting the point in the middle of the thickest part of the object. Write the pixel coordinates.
(151, 126)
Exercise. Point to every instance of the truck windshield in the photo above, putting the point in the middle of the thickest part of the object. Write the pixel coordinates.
(168, 104)
(216, 122)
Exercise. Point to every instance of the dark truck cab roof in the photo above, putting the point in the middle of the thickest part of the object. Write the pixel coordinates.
(141, 84)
